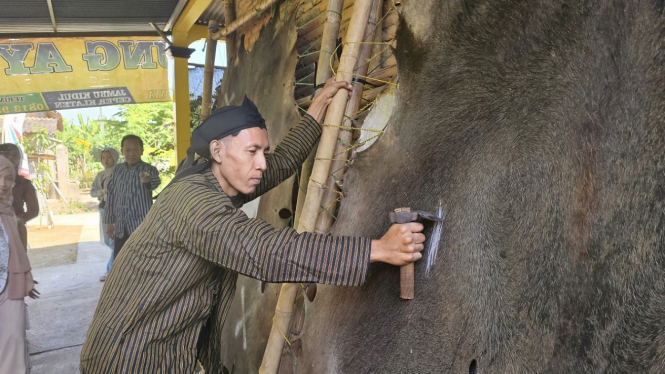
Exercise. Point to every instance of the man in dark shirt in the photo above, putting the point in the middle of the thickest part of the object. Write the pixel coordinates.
(129, 192)
(176, 276)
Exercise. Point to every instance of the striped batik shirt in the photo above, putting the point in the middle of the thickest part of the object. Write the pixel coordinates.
(168, 293)
(129, 199)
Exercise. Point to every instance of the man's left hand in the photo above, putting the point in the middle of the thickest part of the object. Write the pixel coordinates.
(325, 96)
(145, 177)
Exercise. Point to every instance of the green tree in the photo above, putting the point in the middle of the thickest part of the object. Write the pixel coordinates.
(153, 122)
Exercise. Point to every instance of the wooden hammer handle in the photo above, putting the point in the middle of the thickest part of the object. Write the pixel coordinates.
(406, 281)
(406, 274)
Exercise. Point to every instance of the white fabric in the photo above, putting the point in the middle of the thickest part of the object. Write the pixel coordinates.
(14, 354)
(4, 257)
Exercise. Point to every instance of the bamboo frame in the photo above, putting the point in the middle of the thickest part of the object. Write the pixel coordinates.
(323, 72)
(337, 168)
(324, 153)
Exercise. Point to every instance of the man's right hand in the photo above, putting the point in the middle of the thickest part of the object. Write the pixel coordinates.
(401, 245)
(110, 230)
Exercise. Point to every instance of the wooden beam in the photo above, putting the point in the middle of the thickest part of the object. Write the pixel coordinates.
(181, 38)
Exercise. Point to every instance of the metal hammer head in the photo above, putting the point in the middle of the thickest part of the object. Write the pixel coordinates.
(405, 215)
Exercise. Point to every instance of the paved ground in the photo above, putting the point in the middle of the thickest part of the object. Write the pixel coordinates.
(60, 318)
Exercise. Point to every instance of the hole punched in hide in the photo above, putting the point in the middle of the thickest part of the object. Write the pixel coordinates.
(310, 291)
(473, 367)
(284, 213)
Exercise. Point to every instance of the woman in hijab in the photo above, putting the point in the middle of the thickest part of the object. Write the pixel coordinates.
(24, 192)
(109, 158)
(15, 281)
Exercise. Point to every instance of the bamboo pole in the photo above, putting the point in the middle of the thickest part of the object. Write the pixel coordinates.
(320, 172)
(229, 17)
(338, 166)
(209, 70)
(323, 72)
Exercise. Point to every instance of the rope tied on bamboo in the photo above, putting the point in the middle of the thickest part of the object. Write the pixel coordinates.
(358, 75)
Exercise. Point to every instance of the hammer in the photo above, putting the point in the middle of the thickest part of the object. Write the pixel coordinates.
(406, 275)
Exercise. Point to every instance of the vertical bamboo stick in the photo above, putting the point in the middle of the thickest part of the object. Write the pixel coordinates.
(337, 168)
(320, 172)
(323, 72)
(209, 70)
(229, 18)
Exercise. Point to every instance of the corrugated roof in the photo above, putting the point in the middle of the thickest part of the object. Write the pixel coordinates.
(81, 16)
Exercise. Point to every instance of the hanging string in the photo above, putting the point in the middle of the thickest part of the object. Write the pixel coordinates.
(317, 17)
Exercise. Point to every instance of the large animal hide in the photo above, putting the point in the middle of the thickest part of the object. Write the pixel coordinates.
(539, 127)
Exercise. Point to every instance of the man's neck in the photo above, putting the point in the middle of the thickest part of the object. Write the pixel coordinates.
(226, 187)
(134, 164)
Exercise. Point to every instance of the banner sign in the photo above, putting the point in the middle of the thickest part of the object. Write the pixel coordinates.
(42, 74)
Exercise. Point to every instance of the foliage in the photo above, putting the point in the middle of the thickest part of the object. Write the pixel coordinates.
(152, 122)
(37, 143)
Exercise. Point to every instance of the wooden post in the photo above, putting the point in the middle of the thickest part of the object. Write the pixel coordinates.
(323, 72)
(209, 70)
(229, 17)
(337, 168)
(320, 172)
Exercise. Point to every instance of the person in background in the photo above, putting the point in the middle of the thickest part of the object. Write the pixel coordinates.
(129, 192)
(26, 205)
(15, 282)
(109, 158)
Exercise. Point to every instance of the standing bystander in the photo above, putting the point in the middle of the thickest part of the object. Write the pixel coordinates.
(129, 192)
(15, 282)
(25, 203)
(109, 158)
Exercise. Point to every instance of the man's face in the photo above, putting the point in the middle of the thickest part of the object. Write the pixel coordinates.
(243, 161)
(132, 151)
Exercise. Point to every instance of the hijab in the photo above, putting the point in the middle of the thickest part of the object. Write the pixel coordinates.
(107, 172)
(19, 277)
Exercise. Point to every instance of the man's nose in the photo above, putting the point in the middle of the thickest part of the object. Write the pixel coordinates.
(261, 162)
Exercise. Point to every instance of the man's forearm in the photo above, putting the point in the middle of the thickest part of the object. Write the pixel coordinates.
(316, 110)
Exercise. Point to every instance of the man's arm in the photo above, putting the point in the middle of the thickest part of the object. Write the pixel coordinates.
(155, 180)
(150, 179)
(109, 212)
(254, 248)
(210, 228)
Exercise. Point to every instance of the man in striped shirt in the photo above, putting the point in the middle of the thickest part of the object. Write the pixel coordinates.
(129, 192)
(167, 296)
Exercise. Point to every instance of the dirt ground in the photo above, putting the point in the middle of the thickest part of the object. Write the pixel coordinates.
(52, 247)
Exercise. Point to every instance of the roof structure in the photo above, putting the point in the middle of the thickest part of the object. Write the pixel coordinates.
(29, 18)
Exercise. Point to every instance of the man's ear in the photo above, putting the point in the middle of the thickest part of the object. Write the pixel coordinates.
(216, 148)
